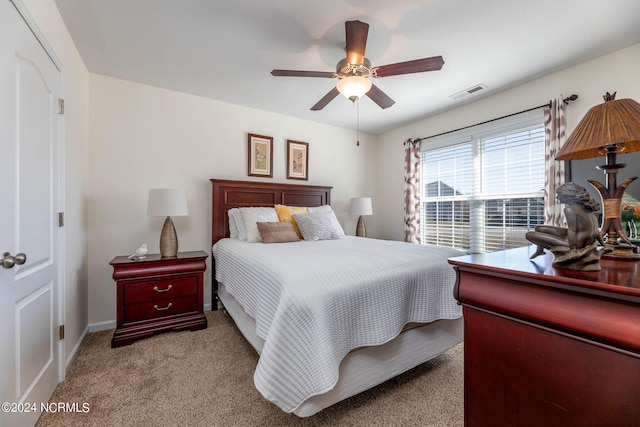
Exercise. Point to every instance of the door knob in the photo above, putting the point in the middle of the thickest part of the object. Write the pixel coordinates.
(9, 261)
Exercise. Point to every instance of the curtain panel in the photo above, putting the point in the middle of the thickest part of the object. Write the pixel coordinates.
(412, 191)
(554, 133)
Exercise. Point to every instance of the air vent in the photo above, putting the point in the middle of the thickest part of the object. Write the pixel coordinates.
(475, 89)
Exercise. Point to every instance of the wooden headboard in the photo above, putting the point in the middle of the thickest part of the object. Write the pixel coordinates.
(234, 194)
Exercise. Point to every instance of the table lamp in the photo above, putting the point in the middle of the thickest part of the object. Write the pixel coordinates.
(608, 129)
(360, 206)
(167, 202)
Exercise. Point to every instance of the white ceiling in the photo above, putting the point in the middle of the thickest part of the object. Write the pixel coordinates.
(226, 49)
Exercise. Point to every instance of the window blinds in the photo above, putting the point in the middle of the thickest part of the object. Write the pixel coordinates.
(484, 195)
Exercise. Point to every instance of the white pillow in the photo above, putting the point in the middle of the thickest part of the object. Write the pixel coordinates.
(236, 224)
(332, 217)
(252, 216)
(316, 226)
(233, 228)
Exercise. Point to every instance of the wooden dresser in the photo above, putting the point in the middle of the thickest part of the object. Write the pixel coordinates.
(546, 346)
(157, 294)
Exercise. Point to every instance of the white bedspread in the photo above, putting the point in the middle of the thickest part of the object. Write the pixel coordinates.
(313, 302)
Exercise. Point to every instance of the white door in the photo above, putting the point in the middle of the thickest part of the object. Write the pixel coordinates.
(29, 202)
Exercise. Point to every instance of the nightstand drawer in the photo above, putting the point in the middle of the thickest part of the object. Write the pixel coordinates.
(160, 308)
(164, 288)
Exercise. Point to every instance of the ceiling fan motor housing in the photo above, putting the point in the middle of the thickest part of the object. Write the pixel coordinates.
(345, 69)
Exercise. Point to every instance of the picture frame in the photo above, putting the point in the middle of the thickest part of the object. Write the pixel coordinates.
(260, 155)
(297, 160)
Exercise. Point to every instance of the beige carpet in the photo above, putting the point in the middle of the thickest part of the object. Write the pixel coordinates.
(206, 378)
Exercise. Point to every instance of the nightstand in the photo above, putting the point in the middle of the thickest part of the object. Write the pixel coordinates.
(158, 294)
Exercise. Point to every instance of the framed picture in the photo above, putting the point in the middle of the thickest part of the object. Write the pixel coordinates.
(260, 155)
(297, 160)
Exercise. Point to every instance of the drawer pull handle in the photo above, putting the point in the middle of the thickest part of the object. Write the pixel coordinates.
(155, 288)
(163, 308)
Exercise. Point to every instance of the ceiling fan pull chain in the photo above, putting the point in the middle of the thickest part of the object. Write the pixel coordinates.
(358, 122)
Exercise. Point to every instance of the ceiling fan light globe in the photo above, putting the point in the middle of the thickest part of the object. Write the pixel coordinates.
(353, 86)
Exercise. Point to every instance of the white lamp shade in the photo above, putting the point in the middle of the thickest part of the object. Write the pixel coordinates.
(360, 206)
(167, 202)
(353, 86)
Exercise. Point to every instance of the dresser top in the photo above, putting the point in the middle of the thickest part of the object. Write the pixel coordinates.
(616, 276)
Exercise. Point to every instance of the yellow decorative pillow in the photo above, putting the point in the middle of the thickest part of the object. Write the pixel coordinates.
(285, 214)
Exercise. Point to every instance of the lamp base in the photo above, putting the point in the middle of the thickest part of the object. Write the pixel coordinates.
(168, 240)
(623, 251)
(611, 229)
(361, 230)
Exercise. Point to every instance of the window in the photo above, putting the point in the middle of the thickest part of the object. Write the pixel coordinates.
(485, 193)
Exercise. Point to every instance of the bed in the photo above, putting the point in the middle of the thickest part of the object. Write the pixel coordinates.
(366, 326)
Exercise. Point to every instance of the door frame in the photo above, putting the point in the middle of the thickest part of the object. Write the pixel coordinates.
(61, 320)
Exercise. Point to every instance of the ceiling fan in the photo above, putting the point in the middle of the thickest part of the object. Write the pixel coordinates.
(355, 70)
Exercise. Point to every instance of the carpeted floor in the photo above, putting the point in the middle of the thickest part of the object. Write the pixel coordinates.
(206, 378)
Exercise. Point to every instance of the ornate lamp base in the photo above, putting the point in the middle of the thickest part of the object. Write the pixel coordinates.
(623, 251)
(611, 229)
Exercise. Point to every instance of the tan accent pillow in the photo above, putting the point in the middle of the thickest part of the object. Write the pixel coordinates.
(277, 232)
(285, 214)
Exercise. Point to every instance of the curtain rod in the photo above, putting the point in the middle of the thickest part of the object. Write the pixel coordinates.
(565, 100)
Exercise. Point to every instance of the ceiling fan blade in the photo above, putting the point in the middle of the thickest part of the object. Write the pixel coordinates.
(416, 66)
(325, 100)
(356, 34)
(296, 73)
(379, 97)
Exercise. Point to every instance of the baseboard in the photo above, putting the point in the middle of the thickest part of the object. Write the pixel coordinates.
(102, 326)
(74, 350)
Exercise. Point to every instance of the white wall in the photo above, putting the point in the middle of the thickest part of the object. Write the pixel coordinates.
(617, 71)
(76, 92)
(144, 137)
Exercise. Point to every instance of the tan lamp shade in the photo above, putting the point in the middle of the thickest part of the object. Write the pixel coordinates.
(615, 122)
